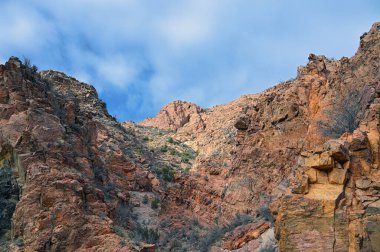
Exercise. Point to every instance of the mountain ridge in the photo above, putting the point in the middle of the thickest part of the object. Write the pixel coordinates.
(293, 168)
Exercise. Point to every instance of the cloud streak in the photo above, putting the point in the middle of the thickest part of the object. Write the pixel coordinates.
(141, 54)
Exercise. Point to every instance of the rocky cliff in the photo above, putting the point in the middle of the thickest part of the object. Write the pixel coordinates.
(295, 168)
(303, 149)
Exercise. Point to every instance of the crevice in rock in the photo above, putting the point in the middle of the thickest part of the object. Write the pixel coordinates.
(334, 230)
(10, 192)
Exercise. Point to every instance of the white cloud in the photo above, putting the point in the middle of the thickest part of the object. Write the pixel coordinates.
(189, 24)
(152, 52)
(117, 71)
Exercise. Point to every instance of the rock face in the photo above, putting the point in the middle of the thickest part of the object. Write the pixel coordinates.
(295, 168)
(307, 149)
(64, 161)
(175, 115)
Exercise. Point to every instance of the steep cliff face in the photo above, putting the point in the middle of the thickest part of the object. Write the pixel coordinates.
(67, 164)
(295, 168)
(276, 149)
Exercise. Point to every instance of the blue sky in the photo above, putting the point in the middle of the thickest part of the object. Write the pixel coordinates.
(142, 54)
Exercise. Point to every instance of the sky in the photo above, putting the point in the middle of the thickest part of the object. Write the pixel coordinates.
(143, 54)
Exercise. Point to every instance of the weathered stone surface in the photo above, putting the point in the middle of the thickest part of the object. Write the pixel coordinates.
(244, 234)
(337, 176)
(363, 183)
(322, 161)
(338, 149)
(311, 173)
(176, 115)
(322, 177)
(308, 225)
(302, 187)
(88, 184)
(242, 123)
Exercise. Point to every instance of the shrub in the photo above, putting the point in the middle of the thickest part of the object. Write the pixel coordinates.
(195, 222)
(345, 115)
(265, 213)
(99, 174)
(187, 155)
(168, 174)
(212, 236)
(145, 199)
(217, 232)
(148, 235)
(146, 139)
(123, 213)
(123, 243)
(173, 152)
(29, 65)
(164, 148)
(118, 230)
(154, 204)
(170, 140)
(164, 223)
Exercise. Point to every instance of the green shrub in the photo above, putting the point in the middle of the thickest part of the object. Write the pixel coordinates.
(168, 174)
(217, 232)
(146, 139)
(148, 235)
(123, 243)
(118, 230)
(173, 152)
(164, 148)
(154, 204)
(170, 140)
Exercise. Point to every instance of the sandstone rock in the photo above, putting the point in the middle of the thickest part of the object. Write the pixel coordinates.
(359, 141)
(242, 123)
(337, 176)
(338, 149)
(175, 115)
(302, 187)
(242, 235)
(322, 177)
(148, 247)
(312, 175)
(363, 183)
(322, 161)
(78, 173)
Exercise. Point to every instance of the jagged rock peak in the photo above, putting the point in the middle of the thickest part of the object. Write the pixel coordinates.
(175, 115)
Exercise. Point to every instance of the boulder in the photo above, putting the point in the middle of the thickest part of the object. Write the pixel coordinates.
(363, 183)
(242, 123)
(243, 234)
(337, 149)
(311, 173)
(337, 176)
(322, 177)
(302, 186)
(322, 161)
(359, 141)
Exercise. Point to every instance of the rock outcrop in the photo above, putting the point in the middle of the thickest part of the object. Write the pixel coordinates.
(66, 163)
(299, 149)
(295, 168)
(176, 115)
